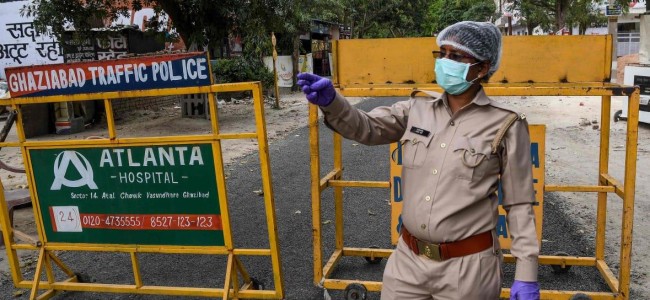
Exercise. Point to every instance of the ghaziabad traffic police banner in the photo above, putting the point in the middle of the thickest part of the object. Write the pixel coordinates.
(537, 150)
(138, 73)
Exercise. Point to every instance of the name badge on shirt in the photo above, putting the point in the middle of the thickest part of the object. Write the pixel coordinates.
(420, 131)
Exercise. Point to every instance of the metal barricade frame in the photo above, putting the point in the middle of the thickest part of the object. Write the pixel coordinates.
(237, 282)
(394, 67)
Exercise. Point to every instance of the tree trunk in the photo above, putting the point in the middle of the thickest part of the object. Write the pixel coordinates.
(227, 47)
(296, 56)
(561, 7)
(530, 27)
(181, 22)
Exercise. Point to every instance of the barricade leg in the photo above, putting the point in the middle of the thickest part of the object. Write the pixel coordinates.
(135, 264)
(601, 213)
(314, 148)
(61, 265)
(628, 198)
(338, 192)
(229, 278)
(37, 274)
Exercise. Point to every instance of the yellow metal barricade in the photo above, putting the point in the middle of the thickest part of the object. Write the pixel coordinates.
(531, 66)
(179, 228)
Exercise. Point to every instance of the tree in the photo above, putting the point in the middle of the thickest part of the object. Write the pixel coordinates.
(442, 13)
(211, 23)
(58, 16)
(384, 18)
(296, 19)
(198, 22)
(584, 14)
(531, 16)
(554, 15)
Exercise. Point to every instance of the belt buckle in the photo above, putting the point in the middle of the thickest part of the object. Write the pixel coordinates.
(431, 251)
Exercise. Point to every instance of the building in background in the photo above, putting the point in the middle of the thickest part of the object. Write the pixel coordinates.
(316, 52)
(628, 24)
(509, 20)
(318, 42)
(628, 36)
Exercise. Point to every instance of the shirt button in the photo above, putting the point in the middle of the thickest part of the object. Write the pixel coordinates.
(443, 145)
(452, 123)
(423, 226)
(415, 141)
(428, 198)
(435, 171)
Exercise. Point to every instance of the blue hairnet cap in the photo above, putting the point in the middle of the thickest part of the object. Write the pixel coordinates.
(481, 40)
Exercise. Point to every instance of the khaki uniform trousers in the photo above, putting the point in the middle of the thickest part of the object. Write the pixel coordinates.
(411, 277)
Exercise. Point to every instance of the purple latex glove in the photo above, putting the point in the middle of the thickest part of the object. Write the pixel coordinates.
(319, 90)
(523, 290)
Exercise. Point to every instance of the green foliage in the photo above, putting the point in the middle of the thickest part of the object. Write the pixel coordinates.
(584, 14)
(553, 15)
(368, 18)
(480, 11)
(442, 13)
(210, 23)
(255, 21)
(256, 43)
(198, 22)
(384, 18)
(241, 69)
(53, 16)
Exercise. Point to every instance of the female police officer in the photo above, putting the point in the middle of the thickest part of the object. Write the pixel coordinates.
(455, 149)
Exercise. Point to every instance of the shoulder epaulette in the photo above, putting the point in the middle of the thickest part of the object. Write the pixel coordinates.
(502, 131)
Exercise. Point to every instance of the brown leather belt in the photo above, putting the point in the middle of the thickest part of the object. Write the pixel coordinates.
(444, 251)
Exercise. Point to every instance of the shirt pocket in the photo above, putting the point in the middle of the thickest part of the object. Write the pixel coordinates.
(414, 149)
(473, 159)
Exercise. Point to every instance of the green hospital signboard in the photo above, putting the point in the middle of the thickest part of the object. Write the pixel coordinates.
(143, 195)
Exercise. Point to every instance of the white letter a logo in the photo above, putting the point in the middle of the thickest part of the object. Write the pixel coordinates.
(61, 164)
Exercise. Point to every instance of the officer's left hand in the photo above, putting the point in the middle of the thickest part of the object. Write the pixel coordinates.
(523, 290)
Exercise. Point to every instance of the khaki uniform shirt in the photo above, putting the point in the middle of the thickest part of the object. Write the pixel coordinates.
(449, 176)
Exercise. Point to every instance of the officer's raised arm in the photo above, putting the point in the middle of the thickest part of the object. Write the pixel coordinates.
(382, 125)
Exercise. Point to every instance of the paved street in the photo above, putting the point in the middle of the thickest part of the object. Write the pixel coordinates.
(366, 224)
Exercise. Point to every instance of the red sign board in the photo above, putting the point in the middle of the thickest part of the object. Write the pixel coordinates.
(139, 73)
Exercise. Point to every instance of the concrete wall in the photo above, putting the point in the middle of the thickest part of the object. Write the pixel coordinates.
(121, 106)
(623, 61)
